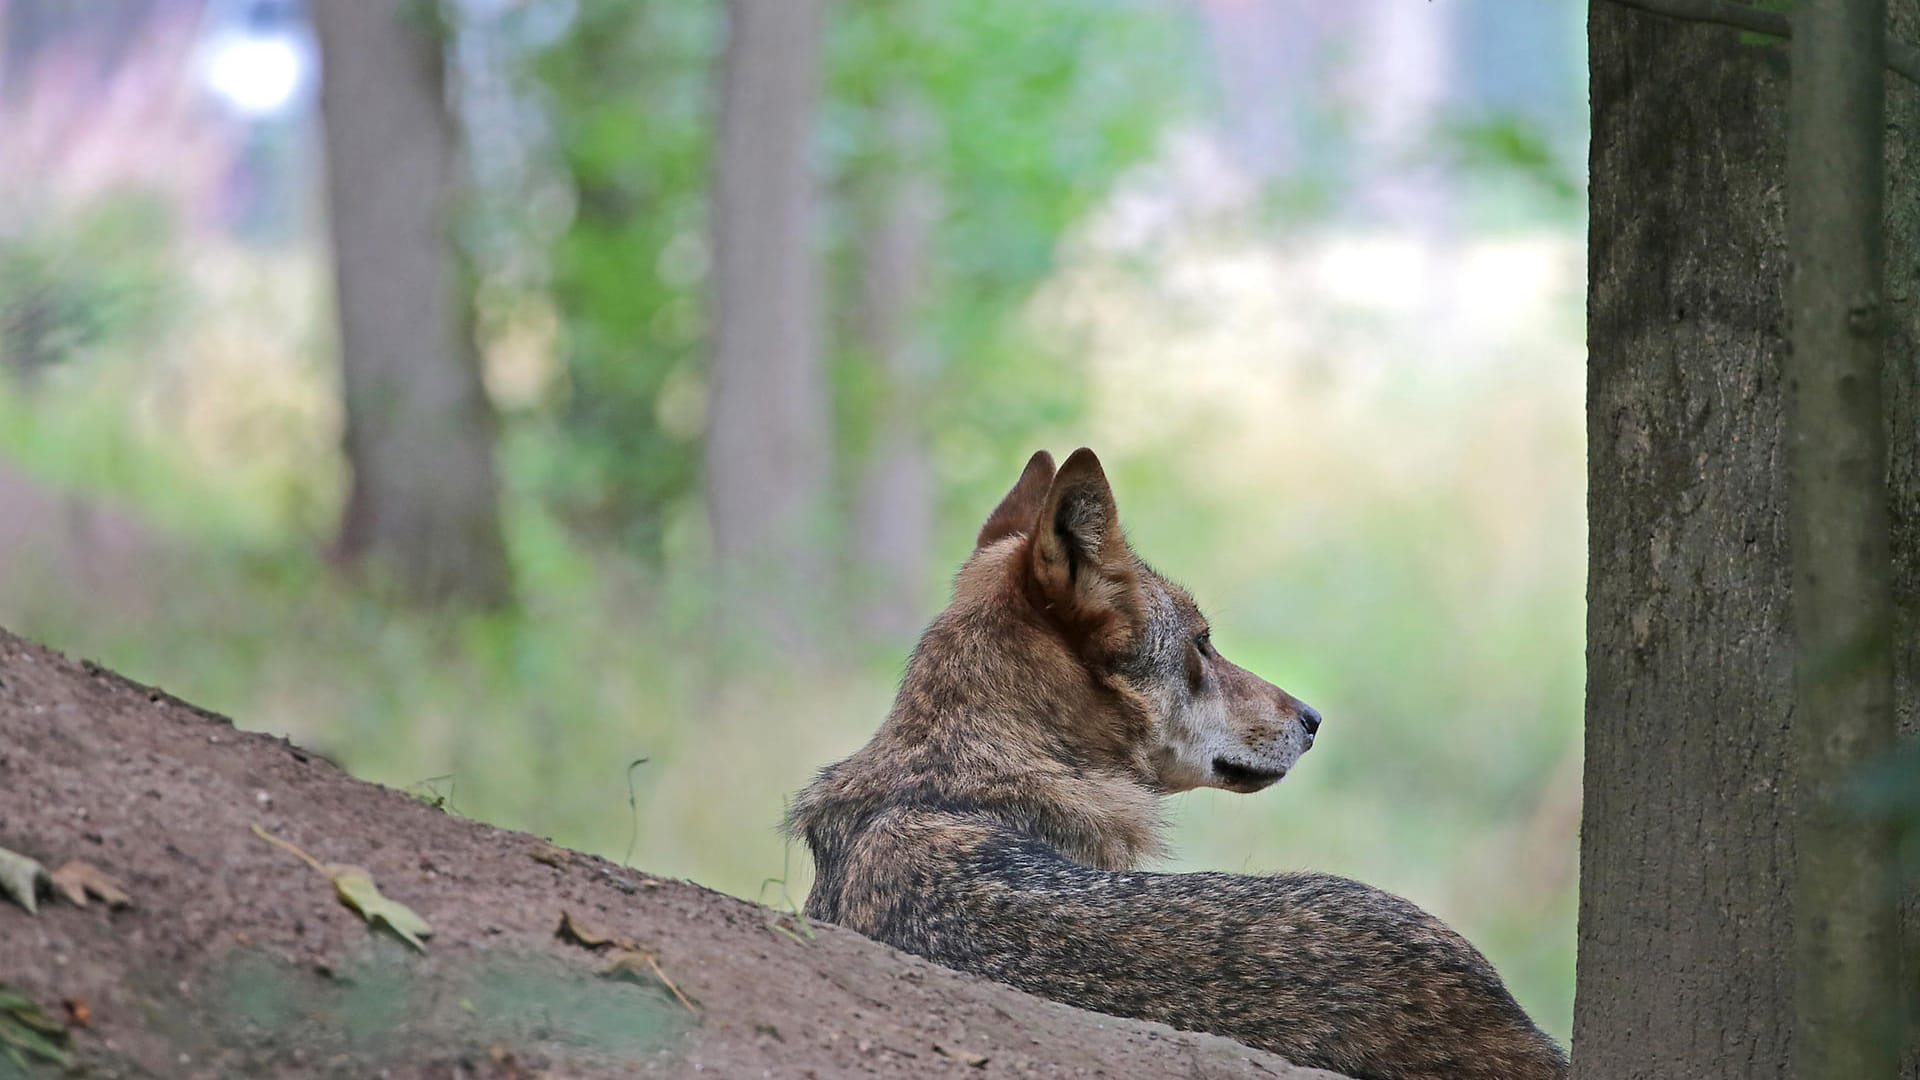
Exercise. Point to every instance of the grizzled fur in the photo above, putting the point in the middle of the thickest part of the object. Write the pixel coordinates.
(994, 821)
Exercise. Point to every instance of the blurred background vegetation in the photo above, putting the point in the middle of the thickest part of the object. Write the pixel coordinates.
(1309, 276)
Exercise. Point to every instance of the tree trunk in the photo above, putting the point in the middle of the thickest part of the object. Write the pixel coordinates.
(769, 436)
(894, 507)
(1687, 854)
(1900, 388)
(1844, 925)
(423, 512)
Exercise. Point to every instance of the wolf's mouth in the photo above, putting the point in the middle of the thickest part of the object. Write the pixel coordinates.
(1244, 778)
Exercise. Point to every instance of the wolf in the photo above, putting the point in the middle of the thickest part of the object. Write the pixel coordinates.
(995, 822)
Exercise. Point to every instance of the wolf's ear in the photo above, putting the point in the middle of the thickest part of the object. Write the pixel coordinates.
(1021, 508)
(1081, 560)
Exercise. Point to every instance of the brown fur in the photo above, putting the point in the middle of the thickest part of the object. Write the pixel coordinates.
(994, 821)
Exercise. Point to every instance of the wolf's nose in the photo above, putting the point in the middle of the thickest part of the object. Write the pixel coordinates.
(1310, 719)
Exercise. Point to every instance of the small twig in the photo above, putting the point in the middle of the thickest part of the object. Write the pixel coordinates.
(793, 910)
(288, 846)
(662, 975)
(633, 804)
(433, 798)
(1902, 59)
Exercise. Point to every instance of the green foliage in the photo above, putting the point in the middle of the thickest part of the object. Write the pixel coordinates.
(627, 93)
(28, 1033)
(1040, 107)
(77, 281)
(1036, 110)
(1511, 147)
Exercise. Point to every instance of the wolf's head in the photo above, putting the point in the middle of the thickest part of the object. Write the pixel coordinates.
(1171, 707)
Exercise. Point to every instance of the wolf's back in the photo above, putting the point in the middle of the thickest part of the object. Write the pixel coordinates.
(1325, 971)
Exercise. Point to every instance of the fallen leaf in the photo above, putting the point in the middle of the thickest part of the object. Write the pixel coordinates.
(354, 886)
(24, 1029)
(20, 879)
(356, 889)
(79, 1013)
(573, 930)
(637, 965)
(79, 879)
(965, 1057)
(630, 961)
(558, 858)
(504, 1061)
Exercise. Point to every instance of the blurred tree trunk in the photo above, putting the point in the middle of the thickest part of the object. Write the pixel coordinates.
(769, 435)
(1846, 942)
(423, 512)
(898, 214)
(1687, 846)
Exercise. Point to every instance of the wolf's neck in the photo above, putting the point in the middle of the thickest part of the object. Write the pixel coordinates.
(1103, 821)
(1096, 819)
(986, 724)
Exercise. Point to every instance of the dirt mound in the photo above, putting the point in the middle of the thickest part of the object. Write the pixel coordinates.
(237, 959)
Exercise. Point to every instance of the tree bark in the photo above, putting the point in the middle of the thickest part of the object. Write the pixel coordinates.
(1900, 387)
(1844, 926)
(769, 435)
(1687, 847)
(894, 507)
(423, 512)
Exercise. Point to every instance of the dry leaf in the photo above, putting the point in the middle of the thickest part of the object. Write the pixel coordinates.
(558, 858)
(20, 879)
(79, 1013)
(354, 886)
(78, 880)
(965, 1057)
(630, 961)
(573, 930)
(508, 1065)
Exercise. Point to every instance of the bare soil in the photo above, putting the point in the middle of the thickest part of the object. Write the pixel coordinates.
(236, 959)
